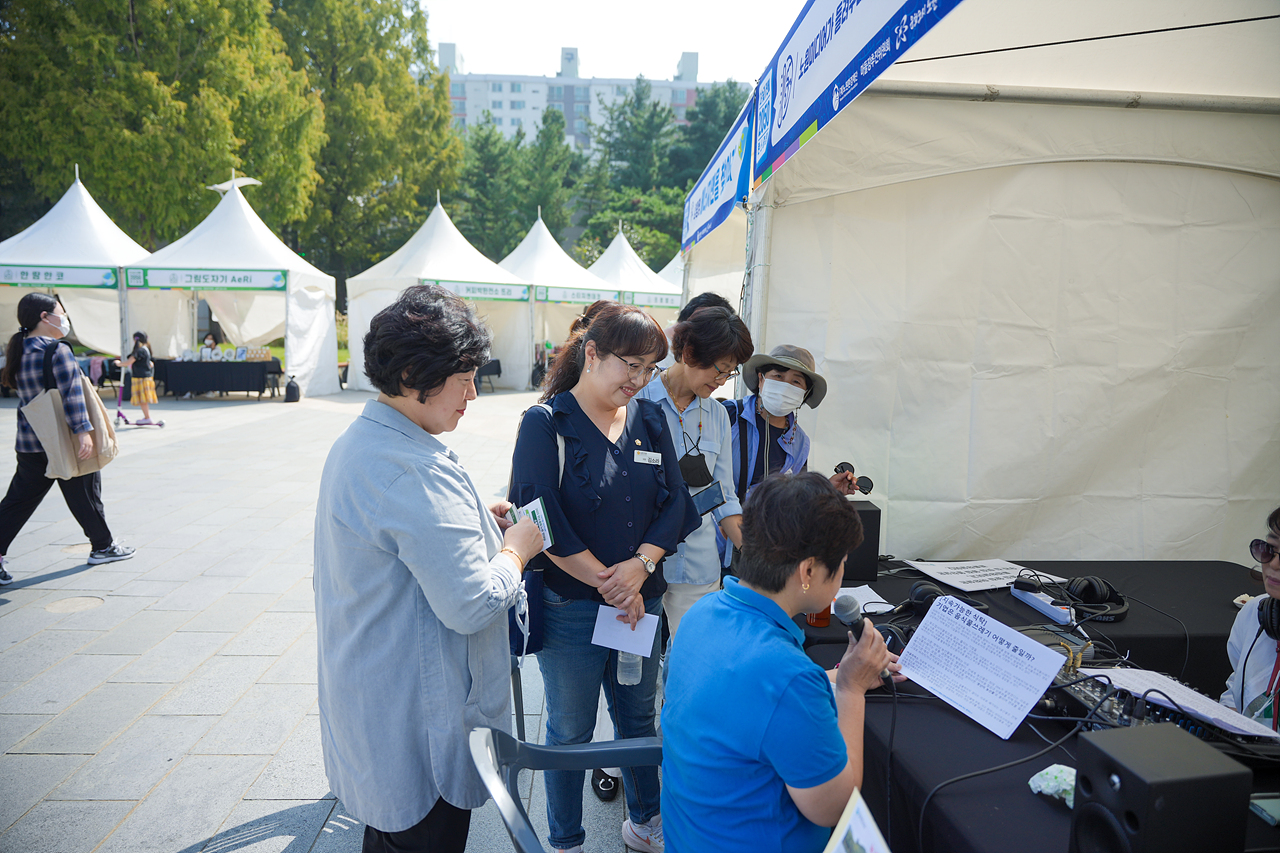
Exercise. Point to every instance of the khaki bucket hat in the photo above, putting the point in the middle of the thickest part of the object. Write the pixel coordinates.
(792, 358)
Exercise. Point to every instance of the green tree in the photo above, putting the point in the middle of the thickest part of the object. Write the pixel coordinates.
(490, 212)
(650, 220)
(547, 165)
(391, 143)
(709, 120)
(635, 136)
(154, 100)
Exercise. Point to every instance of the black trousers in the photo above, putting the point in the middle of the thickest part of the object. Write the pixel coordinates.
(443, 830)
(28, 488)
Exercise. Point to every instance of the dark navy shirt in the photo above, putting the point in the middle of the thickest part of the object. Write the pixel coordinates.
(608, 502)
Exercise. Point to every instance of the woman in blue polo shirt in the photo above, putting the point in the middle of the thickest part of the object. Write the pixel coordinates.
(776, 773)
(615, 511)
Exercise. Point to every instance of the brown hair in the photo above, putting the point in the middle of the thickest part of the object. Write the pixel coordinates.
(616, 329)
(709, 335)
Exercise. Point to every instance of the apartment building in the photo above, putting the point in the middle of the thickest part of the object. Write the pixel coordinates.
(518, 101)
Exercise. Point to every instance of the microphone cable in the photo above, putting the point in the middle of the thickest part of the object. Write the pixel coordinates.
(888, 766)
(1186, 655)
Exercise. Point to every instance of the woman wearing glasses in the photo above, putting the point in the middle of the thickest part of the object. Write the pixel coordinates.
(617, 509)
(708, 348)
(1254, 681)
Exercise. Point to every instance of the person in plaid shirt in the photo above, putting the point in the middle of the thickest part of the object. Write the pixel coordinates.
(43, 322)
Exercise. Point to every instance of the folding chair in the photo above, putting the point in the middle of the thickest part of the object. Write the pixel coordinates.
(499, 759)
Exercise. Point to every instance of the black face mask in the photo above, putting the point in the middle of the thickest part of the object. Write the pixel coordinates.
(693, 467)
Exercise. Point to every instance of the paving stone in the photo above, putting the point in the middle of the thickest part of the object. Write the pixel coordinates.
(275, 577)
(114, 609)
(272, 826)
(271, 634)
(26, 660)
(64, 827)
(14, 598)
(343, 833)
(98, 581)
(14, 727)
(182, 567)
(60, 685)
(196, 593)
(189, 806)
(297, 771)
(150, 589)
(173, 658)
(232, 612)
(184, 538)
(260, 722)
(23, 623)
(215, 687)
(138, 634)
(133, 763)
(300, 598)
(87, 726)
(147, 557)
(297, 665)
(39, 774)
(243, 562)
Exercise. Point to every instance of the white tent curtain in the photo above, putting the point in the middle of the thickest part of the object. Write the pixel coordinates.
(717, 261)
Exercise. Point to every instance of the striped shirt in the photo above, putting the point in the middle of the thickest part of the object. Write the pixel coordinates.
(66, 372)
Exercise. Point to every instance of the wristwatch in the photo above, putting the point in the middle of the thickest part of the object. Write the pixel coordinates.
(649, 565)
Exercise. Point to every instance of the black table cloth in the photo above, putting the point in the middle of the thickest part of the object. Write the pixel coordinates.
(197, 377)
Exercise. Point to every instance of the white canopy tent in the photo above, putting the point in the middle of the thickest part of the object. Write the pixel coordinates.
(1039, 265)
(623, 269)
(76, 251)
(561, 287)
(258, 289)
(673, 272)
(717, 261)
(439, 254)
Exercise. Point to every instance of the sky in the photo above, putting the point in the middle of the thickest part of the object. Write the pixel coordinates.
(732, 40)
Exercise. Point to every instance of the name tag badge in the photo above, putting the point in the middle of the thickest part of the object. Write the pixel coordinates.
(648, 457)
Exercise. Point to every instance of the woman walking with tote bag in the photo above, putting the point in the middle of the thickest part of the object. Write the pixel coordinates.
(43, 323)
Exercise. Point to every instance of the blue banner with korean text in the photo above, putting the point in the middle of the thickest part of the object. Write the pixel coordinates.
(725, 181)
(833, 51)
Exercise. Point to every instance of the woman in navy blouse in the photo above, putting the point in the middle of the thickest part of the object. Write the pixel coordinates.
(620, 507)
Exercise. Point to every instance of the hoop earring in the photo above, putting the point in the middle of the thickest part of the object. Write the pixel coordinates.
(804, 587)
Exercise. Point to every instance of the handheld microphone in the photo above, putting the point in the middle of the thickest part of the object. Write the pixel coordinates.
(856, 629)
(848, 609)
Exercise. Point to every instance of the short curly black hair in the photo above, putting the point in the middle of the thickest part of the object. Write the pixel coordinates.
(427, 335)
(789, 518)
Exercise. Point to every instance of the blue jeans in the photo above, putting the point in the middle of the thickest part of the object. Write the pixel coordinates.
(573, 671)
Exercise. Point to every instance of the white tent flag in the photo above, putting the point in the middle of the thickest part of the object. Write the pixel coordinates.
(438, 254)
(75, 250)
(253, 283)
(622, 268)
(562, 288)
(1046, 317)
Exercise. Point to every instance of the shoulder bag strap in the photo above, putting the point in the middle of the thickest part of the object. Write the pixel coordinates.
(744, 448)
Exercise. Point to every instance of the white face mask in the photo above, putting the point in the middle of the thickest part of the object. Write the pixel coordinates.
(780, 398)
(59, 322)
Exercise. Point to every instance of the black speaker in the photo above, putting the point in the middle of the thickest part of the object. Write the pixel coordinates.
(862, 566)
(1143, 789)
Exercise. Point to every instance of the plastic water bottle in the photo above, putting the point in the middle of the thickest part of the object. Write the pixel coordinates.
(629, 667)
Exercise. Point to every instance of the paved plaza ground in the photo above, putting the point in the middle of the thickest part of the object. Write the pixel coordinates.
(168, 703)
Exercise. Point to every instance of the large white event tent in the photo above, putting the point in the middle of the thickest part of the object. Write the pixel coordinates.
(562, 288)
(255, 285)
(673, 272)
(76, 251)
(1039, 264)
(622, 268)
(438, 254)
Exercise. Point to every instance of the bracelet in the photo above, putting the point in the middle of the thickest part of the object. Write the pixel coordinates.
(515, 556)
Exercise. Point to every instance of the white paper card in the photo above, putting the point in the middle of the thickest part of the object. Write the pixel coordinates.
(978, 665)
(613, 634)
(976, 575)
(1139, 681)
(872, 602)
(856, 830)
(536, 510)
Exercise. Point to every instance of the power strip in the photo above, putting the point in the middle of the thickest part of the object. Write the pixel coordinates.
(1043, 603)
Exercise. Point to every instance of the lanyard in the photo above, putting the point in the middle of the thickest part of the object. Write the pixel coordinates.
(1271, 686)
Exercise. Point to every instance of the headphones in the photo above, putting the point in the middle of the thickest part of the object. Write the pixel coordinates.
(922, 596)
(1103, 600)
(896, 637)
(1269, 617)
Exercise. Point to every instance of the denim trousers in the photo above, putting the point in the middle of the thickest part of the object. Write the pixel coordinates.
(573, 671)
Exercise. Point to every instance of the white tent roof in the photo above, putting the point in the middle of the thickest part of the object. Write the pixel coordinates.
(77, 233)
(674, 271)
(437, 252)
(622, 267)
(540, 260)
(233, 236)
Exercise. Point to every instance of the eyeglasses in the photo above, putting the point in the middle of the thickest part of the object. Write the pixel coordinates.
(637, 372)
(724, 374)
(1263, 551)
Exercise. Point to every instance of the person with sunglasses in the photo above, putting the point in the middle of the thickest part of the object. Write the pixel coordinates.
(615, 510)
(708, 347)
(1255, 666)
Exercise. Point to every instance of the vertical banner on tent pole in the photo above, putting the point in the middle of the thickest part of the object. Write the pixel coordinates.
(833, 51)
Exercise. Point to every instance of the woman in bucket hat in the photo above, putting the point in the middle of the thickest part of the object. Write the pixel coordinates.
(780, 383)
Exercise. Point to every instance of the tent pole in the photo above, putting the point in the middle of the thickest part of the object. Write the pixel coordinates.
(122, 296)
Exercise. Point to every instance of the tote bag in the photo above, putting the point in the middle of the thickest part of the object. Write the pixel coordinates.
(48, 421)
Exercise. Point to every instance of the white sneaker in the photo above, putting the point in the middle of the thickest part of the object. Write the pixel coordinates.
(645, 837)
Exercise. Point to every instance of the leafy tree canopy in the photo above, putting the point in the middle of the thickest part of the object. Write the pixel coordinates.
(490, 212)
(154, 100)
(709, 119)
(650, 220)
(635, 136)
